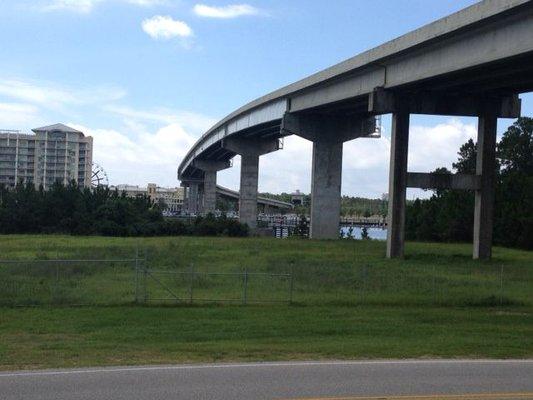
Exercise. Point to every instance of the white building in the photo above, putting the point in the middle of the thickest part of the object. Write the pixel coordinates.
(170, 198)
(55, 153)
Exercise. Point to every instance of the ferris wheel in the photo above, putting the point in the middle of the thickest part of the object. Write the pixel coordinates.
(98, 176)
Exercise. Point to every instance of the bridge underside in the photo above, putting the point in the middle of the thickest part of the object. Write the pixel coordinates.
(472, 63)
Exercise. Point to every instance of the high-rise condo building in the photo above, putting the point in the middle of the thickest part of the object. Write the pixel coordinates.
(55, 153)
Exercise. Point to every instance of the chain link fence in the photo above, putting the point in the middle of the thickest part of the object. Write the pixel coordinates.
(132, 280)
(192, 286)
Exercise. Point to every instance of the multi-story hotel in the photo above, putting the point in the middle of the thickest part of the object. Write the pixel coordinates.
(171, 198)
(54, 153)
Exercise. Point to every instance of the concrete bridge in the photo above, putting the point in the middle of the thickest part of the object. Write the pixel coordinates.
(472, 63)
(264, 204)
(380, 222)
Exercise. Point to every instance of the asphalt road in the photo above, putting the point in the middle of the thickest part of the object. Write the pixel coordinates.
(283, 380)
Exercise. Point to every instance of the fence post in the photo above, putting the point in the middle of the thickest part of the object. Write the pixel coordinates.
(245, 287)
(145, 279)
(501, 285)
(56, 285)
(137, 275)
(365, 279)
(191, 283)
(291, 284)
(434, 286)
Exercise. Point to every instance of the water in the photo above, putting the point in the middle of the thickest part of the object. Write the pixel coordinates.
(374, 233)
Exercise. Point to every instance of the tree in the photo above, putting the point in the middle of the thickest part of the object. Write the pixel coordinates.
(448, 214)
(514, 195)
(466, 164)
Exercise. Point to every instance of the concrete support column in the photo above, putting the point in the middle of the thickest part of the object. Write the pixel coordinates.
(486, 169)
(185, 204)
(328, 133)
(210, 191)
(249, 150)
(200, 207)
(397, 184)
(209, 188)
(193, 198)
(248, 189)
(326, 189)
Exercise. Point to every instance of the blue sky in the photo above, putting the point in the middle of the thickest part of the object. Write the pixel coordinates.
(147, 77)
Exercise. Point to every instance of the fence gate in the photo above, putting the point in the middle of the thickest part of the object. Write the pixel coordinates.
(191, 285)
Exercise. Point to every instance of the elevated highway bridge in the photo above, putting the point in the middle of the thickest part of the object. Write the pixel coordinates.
(472, 63)
(265, 204)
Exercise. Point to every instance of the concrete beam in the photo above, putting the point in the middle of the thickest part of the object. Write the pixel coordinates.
(208, 165)
(397, 184)
(383, 101)
(256, 146)
(484, 200)
(443, 181)
(323, 127)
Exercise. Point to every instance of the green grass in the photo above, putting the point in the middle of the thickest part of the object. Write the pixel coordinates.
(349, 302)
(324, 272)
(71, 337)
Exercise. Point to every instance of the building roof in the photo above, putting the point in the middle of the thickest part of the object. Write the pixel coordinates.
(57, 127)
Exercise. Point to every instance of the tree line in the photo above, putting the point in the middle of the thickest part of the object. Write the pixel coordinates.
(350, 206)
(98, 211)
(448, 215)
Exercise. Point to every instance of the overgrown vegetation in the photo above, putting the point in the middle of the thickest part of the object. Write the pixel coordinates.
(448, 215)
(349, 272)
(349, 302)
(100, 211)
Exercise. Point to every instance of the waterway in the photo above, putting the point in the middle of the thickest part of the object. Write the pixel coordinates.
(373, 233)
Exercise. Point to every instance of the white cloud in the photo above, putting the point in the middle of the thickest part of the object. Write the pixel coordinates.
(164, 27)
(194, 122)
(86, 6)
(80, 6)
(437, 146)
(14, 115)
(138, 156)
(147, 3)
(53, 96)
(229, 11)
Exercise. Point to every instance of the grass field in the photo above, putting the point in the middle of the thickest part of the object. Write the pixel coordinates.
(348, 302)
(323, 272)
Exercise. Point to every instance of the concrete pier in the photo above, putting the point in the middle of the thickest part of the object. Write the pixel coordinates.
(193, 198)
(484, 200)
(397, 184)
(249, 150)
(328, 134)
(210, 191)
(209, 187)
(326, 190)
(248, 190)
